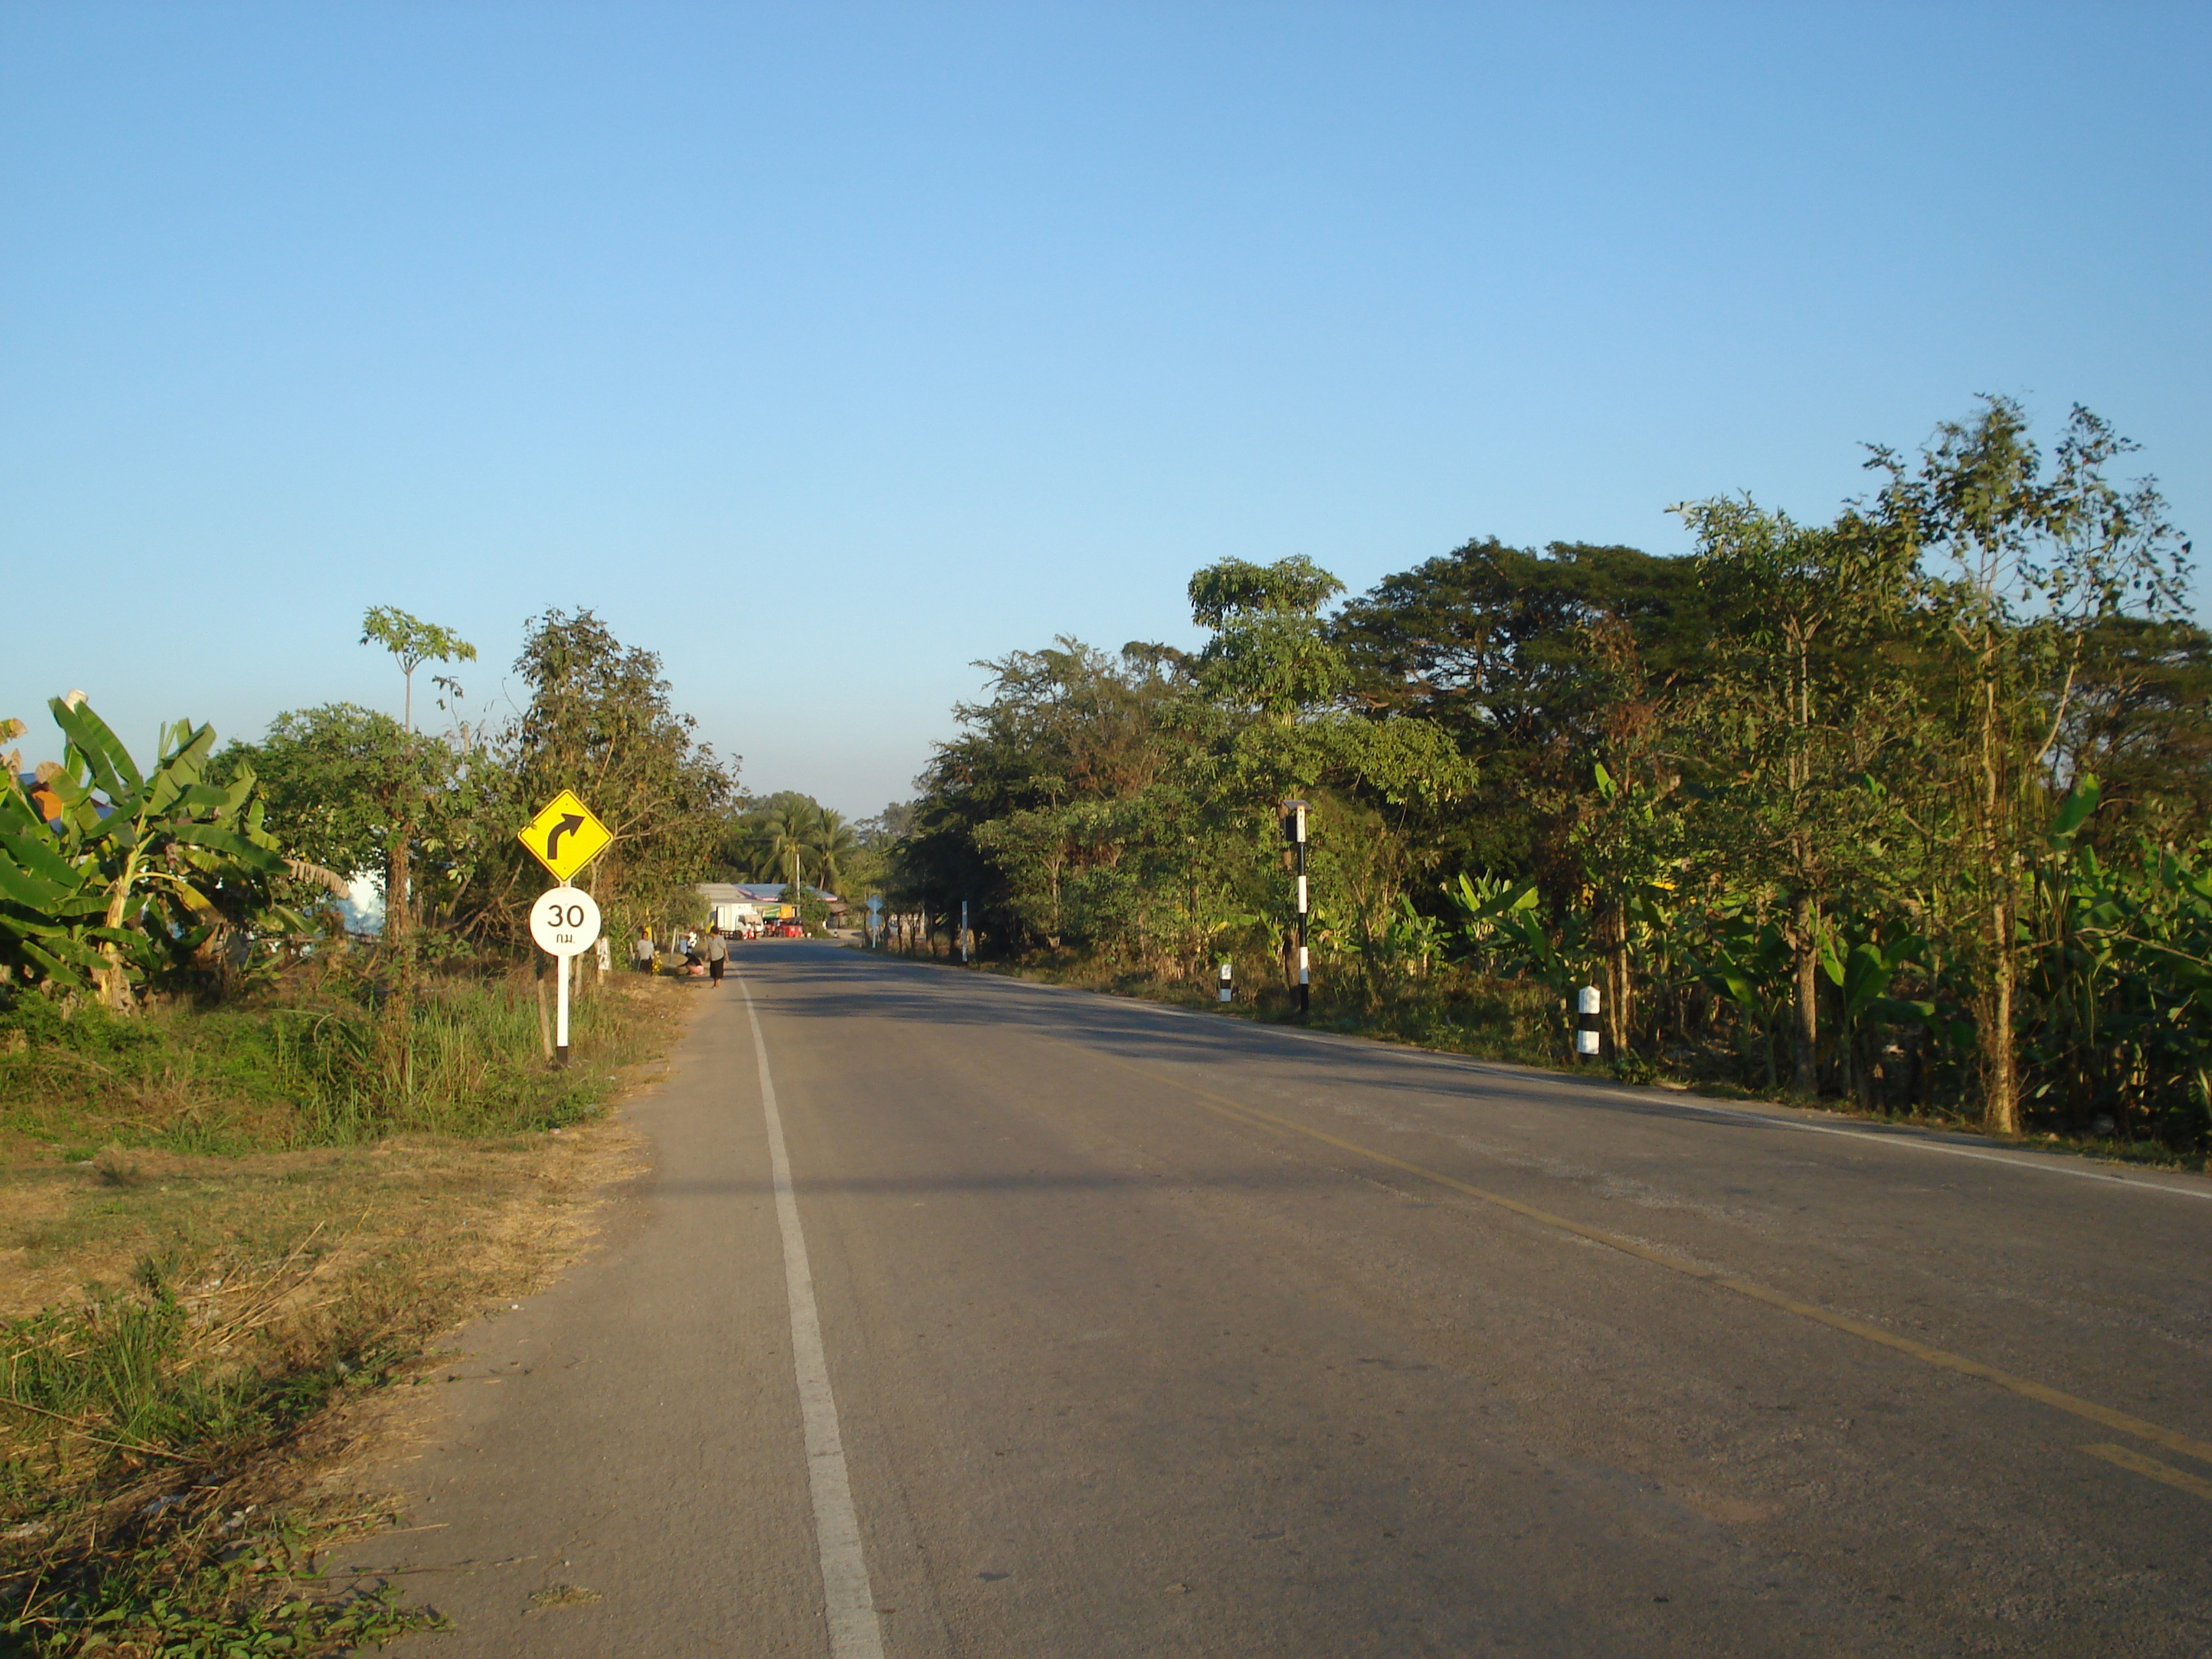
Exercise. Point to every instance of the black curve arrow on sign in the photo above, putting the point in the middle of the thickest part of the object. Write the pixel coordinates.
(568, 820)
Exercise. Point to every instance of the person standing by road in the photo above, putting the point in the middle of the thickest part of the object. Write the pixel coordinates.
(644, 950)
(718, 952)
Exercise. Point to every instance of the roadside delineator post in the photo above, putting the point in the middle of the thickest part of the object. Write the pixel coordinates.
(1228, 992)
(1294, 832)
(1586, 1012)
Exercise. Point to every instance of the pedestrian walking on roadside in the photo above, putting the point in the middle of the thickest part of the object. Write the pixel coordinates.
(718, 952)
(644, 950)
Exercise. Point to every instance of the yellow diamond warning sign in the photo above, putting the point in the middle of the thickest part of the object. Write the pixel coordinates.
(565, 836)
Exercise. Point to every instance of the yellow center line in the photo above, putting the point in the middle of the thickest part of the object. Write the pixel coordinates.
(2135, 1461)
(1943, 1360)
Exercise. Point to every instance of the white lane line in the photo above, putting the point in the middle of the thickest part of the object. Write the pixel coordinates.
(1538, 1095)
(848, 1600)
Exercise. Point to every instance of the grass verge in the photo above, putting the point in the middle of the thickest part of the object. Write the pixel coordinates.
(227, 1236)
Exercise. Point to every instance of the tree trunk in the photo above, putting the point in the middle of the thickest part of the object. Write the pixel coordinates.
(112, 981)
(396, 1032)
(2000, 1074)
(1618, 1012)
(1806, 962)
(395, 891)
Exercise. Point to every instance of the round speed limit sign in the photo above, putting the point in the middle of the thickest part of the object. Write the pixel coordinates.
(564, 921)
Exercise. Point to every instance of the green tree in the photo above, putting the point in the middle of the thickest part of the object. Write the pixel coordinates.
(2140, 720)
(1799, 711)
(2022, 570)
(342, 781)
(1269, 649)
(1513, 652)
(411, 642)
(601, 721)
(337, 781)
(833, 845)
(787, 829)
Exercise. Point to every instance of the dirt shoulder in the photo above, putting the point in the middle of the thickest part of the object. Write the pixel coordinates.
(310, 1284)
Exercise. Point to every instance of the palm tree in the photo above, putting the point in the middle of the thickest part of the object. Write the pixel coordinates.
(746, 849)
(834, 842)
(787, 830)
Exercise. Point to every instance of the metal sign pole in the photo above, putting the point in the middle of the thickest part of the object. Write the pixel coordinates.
(1294, 831)
(565, 922)
(561, 1014)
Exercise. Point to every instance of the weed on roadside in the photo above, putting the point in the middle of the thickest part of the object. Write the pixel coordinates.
(318, 1072)
(132, 1426)
(301, 1229)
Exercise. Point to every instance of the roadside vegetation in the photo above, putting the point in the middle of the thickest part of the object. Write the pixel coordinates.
(252, 1163)
(1906, 812)
(226, 1229)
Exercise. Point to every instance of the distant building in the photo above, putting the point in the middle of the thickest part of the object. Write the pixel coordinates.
(753, 901)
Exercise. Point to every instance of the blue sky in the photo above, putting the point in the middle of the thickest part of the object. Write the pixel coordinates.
(825, 349)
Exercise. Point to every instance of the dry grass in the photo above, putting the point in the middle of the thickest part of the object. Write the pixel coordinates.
(271, 1293)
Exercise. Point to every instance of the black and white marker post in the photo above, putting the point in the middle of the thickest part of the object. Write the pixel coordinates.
(1586, 1012)
(1294, 831)
(1228, 989)
(963, 933)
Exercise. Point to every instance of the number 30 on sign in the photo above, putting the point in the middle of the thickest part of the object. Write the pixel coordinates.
(565, 921)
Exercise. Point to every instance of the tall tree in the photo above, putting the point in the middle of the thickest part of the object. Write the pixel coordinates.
(1270, 650)
(411, 642)
(1500, 646)
(834, 844)
(2021, 569)
(1797, 716)
(601, 721)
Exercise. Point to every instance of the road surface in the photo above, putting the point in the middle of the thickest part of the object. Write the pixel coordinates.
(960, 1316)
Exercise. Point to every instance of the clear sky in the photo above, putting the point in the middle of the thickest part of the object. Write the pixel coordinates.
(825, 349)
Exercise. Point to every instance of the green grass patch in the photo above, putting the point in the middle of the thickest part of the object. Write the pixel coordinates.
(320, 1071)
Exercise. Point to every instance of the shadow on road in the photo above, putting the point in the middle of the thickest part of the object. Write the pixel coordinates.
(824, 983)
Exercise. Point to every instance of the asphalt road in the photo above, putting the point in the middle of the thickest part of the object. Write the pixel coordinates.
(1084, 1327)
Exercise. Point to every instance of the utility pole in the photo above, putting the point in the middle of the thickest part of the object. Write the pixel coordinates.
(1294, 832)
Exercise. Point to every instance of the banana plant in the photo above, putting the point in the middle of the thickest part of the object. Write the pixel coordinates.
(109, 873)
(1863, 971)
(1502, 922)
(2123, 976)
(1740, 956)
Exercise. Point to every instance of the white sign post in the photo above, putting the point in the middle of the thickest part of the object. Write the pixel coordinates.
(565, 922)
